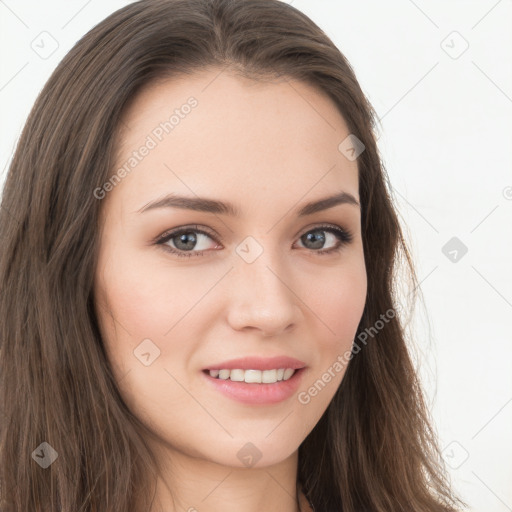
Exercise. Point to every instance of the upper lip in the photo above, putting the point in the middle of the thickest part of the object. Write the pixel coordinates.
(258, 363)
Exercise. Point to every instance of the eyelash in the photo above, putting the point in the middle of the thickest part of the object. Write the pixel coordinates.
(344, 236)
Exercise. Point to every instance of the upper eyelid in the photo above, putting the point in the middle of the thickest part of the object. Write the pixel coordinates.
(200, 229)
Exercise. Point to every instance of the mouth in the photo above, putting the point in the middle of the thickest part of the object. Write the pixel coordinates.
(254, 386)
(251, 376)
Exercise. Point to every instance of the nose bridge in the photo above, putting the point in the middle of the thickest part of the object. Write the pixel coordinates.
(260, 293)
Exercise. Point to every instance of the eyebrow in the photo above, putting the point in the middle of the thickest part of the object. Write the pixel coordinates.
(202, 204)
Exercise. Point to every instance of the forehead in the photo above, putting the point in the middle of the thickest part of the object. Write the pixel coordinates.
(216, 133)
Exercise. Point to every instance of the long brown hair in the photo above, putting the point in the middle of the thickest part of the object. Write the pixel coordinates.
(372, 450)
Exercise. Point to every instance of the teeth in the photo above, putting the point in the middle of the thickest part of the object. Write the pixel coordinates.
(288, 373)
(254, 376)
(269, 376)
(223, 374)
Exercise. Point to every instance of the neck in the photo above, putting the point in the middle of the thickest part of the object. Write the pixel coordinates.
(192, 484)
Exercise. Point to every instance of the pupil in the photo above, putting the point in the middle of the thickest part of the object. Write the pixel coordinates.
(186, 240)
(318, 240)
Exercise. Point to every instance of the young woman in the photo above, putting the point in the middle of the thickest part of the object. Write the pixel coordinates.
(198, 275)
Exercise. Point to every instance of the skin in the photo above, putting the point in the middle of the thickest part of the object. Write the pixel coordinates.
(269, 148)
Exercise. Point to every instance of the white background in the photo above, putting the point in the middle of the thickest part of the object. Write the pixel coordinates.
(446, 140)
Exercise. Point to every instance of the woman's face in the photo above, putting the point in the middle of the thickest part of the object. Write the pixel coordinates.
(247, 280)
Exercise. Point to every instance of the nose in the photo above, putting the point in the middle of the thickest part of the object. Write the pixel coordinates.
(262, 297)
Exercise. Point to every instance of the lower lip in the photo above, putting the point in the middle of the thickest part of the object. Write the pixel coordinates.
(255, 393)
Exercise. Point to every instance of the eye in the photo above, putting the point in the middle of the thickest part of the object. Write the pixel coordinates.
(316, 237)
(184, 240)
(192, 241)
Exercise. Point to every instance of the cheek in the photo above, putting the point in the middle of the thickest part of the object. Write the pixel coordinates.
(141, 304)
(338, 303)
(150, 316)
(149, 299)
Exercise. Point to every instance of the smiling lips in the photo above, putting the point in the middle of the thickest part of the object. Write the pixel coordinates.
(256, 380)
(251, 376)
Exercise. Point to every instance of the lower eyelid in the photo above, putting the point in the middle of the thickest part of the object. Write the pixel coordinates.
(342, 235)
(163, 241)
